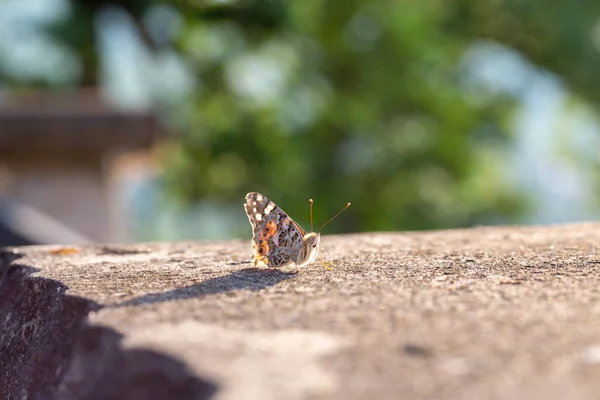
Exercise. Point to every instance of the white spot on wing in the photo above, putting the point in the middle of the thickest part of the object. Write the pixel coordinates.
(269, 208)
(259, 197)
(258, 217)
(254, 209)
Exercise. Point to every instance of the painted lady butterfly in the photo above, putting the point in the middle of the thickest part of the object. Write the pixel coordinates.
(277, 240)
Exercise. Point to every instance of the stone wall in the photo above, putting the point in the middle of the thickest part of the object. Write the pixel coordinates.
(495, 313)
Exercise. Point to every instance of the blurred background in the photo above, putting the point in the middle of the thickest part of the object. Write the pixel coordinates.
(142, 120)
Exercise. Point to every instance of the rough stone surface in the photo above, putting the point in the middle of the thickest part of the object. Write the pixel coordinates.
(495, 313)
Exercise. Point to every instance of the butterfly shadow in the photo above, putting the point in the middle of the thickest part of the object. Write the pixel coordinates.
(246, 279)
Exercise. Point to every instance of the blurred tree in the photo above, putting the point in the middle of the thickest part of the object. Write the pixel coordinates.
(361, 101)
(79, 31)
(558, 36)
(339, 101)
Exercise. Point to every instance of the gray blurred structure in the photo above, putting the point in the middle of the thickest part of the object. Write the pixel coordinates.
(59, 153)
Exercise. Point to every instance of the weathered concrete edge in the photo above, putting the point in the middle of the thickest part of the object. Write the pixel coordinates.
(49, 350)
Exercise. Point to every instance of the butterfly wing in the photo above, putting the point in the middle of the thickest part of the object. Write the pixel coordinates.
(276, 238)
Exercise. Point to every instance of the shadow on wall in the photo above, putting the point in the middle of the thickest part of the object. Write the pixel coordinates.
(245, 279)
(48, 350)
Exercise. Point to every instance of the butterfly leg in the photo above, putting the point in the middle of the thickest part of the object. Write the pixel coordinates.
(328, 265)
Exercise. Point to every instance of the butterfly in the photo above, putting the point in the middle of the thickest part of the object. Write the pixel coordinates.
(277, 240)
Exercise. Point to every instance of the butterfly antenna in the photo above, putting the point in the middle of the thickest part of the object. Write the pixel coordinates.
(311, 225)
(332, 218)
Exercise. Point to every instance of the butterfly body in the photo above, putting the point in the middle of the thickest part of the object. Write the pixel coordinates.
(277, 240)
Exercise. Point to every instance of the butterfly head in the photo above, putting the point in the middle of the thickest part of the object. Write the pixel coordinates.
(310, 249)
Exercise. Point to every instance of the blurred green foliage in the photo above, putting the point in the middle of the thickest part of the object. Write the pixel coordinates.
(339, 101)
(353, 100)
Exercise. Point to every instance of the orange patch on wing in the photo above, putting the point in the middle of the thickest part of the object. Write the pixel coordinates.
(261, 247)
(261, 250)
(269, 230)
